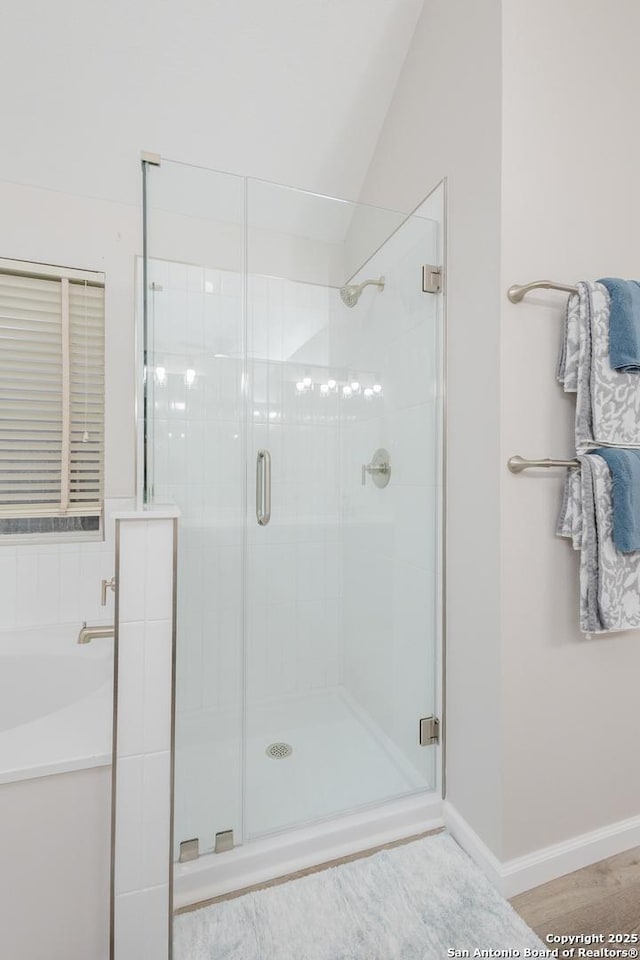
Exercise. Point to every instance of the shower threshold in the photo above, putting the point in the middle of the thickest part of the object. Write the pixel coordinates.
(278, 855)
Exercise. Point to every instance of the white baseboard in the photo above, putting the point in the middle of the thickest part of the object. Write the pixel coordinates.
(471, 843)
(522, 873)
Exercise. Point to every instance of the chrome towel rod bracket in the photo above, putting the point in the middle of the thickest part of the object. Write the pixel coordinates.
(518, 292)
(518, 464)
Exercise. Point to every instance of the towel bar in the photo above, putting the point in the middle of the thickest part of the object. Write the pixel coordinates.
(518, 464)
(518, 292)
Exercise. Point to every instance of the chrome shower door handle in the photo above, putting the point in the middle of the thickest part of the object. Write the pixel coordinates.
(263, 487)
(266, 515)
(259, 485)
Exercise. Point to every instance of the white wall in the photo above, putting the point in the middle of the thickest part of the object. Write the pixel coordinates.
(287, 91)
(93, 85)
(42, 584)
(542, 734)
(155, 81)
(445, 121)
(570, 206)
(55, 866)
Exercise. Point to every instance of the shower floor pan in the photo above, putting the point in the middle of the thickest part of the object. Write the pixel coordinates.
(338, 761)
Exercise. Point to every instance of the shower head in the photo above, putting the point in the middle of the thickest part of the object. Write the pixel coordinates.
(350, 293)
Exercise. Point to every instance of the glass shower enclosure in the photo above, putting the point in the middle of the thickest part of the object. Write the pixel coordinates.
(292, 399)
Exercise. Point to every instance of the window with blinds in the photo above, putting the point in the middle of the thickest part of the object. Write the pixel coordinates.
(51, 399)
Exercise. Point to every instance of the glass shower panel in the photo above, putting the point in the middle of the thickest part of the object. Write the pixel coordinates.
(292, 398)
(195, 458)
(341, 562)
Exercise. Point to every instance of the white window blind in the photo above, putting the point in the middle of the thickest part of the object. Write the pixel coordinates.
(51, 391)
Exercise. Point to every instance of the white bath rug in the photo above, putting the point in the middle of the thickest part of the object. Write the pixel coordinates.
(413, 902)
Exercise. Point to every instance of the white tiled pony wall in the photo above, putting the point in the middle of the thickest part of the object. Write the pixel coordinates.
(143, 730)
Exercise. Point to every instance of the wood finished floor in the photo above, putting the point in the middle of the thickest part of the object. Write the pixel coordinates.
(603, 898)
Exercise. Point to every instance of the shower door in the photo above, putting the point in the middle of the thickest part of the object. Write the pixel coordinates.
(297, 426)
(341, 559)
(194, 456)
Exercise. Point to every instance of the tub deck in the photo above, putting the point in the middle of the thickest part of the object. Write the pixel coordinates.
(55, 702)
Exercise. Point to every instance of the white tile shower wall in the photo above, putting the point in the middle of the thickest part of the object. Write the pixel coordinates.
(143, 768)
(304, 579)
(293, 565)
(198, 463)
(389, 536)
(43, 584)
(293, 581)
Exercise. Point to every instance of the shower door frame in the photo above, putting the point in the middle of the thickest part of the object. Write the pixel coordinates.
(341, 834)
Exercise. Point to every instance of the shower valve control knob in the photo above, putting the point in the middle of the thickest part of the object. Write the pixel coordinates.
(106, 585)
(379, 469)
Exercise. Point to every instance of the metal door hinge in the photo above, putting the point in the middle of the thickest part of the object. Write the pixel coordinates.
(189, 850)
(429, 731)
(431, 278)
(224, 841)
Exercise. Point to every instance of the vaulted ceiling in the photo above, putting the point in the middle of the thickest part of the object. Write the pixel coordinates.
(290, 90)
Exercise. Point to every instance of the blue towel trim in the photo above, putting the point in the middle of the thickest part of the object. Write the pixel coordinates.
(624, 324)
(625, 474)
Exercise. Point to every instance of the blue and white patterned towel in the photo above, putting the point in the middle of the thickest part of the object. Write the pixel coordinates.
(608, 400)
(609, 579)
